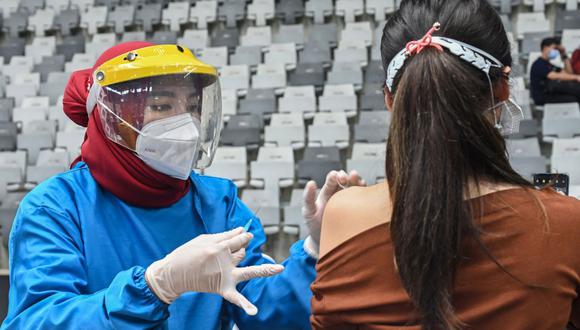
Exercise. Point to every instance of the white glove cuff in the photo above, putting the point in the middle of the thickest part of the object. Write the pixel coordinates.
(152, 281)
(311, 247)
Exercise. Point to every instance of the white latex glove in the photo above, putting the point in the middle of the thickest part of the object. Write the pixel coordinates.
(314, 205)
(208, 263)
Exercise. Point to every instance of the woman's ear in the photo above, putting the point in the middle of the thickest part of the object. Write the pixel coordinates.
(388, 99)
(501, 89)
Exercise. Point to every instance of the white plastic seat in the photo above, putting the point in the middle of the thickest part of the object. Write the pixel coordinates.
(56, 157)
(368, 159)
(319, 9)
(80, 61)
(33, 143)
(15, 160)
(294, 223)
(299, 99)
(100, 43)
(266, 206)
(19, 92)
(346, 73)
(571, 39)
(293, 33)
(71, 141)
(282, 54)
(203, 12)
(349, 9)
(379, 8)
(94, 18)
(329, 129)
(229, 103)
(35, 102)
(41, 21)
(274, 168)
(17, 65)
(230, 163)
(269, 76)
(561, 120)
(57, 5)
(285, 130)
(8, 7)
(566, 157)
(257, 36)
(531, 22)
(194, 39)
(360, 31)
(121, 17)
(175, 14)
(40, 47)
(27, 78)
(236, 77)
(27, 115)
(41, 127)
(82, 5)
(523, 147)
(260, 11)
(338, 98)
(351, 50)
(216, 56)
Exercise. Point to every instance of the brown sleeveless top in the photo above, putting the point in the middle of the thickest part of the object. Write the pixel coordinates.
(357, 286)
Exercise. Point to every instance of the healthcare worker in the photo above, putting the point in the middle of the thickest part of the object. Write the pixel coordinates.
(130, 237)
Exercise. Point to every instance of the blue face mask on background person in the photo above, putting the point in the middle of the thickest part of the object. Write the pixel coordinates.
(553, 54)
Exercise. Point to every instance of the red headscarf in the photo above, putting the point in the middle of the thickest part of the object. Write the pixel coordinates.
(117, 169)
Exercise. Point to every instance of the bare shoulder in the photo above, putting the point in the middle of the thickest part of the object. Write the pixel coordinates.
(351, 212)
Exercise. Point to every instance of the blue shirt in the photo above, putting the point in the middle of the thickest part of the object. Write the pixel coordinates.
(539, 79)
(78, 256)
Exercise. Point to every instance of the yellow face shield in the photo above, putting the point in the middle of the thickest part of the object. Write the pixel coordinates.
(162, 103)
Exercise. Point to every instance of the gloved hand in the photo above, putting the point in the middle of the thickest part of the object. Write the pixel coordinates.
(314, 205)
(208, 263)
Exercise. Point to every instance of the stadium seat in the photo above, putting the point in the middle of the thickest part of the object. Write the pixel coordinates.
(236, 77)
(369, 161)
(567, 20)
(121, 17)
(41, 21)
(67, 20)
(15, 160)
(319, 10)
(56, 158)
(299, 99)
(265, 204)
(289, 11)
(294, 223)
(379, 8)
(329, 129)
(35, 102)
(351, 51)
(229, 37)
(16, 24)
(318, 53)
(203, 12)
(33, 143)
(561, 120)
(99, 43)
(242, 131)
(374, 74)
(231, 12)
(571, 39)
(164, 37)
(94, 18)
(71, 141)
(148, 15)
(194, 39)
(317, 162)
(8, 7)
(37, 174)
(284, 54)
(372, 127)
(269, 76)
(133, 36)
(290, 34)
(82, 5)
(47, 65)
(531, 22)
(257, 36)
(372, 98)
(110, 4)
(358, 31)
(80, 61)
(260, 11)
(229, 103)
(566, 157)
(12, 46)
(71, 45)
(175, 15)
(216, 56)
(19, 92)
(285, 130)
(344, 72)
(338, 98)
(57, 5)
(349, 9)
(274, 168)
(531, 41)
(41, 47)
(324, 34)
(26, 115)
(231, 163)
(307, 74)
(8, 132)
(41, 127)
(260, 102)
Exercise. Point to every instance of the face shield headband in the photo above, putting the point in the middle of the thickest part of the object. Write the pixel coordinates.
(507, 120)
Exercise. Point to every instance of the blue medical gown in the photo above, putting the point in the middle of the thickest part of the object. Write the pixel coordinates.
(78, 256)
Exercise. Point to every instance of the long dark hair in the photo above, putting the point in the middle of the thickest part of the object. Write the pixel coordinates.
(439, 141)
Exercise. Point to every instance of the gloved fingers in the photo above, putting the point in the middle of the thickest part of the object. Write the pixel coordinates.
(238, 242)
(238, 256)
(250, 272)
(227, 234)
(309, 195)
(334, 180)
(239, 300)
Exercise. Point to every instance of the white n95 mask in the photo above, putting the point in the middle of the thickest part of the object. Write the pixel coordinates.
(170, 145)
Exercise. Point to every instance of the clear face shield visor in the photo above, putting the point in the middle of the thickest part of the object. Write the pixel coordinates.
(171, 121)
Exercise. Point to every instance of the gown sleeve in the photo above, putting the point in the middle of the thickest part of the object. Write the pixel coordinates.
(48, 280)
(283, 300)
